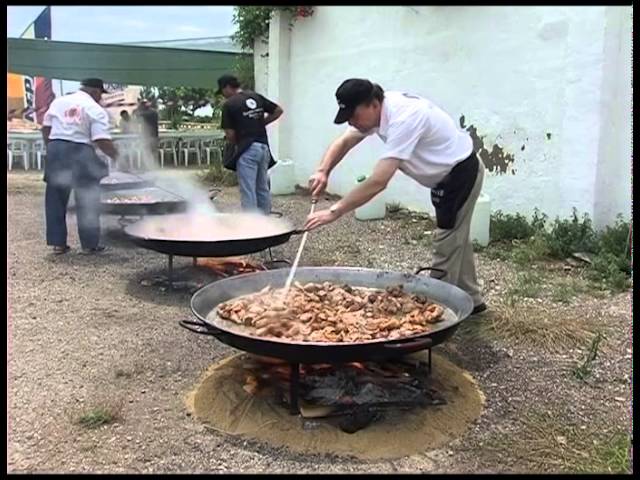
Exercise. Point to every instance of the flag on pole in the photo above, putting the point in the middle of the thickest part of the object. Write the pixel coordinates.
(43, 87)
(34, 94)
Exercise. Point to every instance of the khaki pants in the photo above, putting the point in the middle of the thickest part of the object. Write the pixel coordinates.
(453, 251)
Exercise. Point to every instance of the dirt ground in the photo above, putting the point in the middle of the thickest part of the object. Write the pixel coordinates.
(84, 332)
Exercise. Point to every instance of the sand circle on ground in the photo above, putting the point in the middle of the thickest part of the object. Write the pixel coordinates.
(220, 401)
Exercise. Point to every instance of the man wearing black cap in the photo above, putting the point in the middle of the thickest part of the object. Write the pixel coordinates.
(72, 126)
(423, 142)
(244, 117)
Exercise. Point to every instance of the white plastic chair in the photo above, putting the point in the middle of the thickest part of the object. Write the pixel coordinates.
(191, 145)
(131, 149)
(212, 147)
(169, 146)
(18, 148)
(39, 151)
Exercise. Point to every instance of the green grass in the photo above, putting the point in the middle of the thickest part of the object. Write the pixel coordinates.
(551, 330)
(100, 415)
(527, 285)
(565, 289)
(583, 371)
(547, 443)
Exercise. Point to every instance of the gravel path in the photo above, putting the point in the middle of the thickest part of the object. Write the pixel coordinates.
(83, 331)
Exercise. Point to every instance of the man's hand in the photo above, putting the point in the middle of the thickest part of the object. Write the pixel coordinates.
(318, 183)
(320, 218)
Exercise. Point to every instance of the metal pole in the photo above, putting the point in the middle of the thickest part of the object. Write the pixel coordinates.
(171, 272)
(293, 388)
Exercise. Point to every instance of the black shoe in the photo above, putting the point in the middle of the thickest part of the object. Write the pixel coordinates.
(479, 308)
(94, 250)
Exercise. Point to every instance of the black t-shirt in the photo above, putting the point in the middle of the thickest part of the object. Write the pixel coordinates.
(149, 119)
(244, 113)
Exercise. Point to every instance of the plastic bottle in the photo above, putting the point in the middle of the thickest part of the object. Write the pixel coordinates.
(375, 208)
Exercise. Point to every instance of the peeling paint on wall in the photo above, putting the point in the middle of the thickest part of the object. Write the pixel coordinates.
(497, 160)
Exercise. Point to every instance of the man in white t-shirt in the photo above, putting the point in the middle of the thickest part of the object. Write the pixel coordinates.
(72, 126)
(423, 142)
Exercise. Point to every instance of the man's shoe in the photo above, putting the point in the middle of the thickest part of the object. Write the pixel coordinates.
(59, 250)
(94, 250)
(479, 308)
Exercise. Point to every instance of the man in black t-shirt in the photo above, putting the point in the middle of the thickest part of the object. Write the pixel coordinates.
(147, 119)
(244, 116)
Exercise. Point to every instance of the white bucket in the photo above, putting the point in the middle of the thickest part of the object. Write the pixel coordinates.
(282, 178)
(480, 220)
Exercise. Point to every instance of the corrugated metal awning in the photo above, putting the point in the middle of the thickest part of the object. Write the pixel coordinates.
(125, 64)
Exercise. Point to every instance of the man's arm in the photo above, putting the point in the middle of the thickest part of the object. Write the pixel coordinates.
(272, 117)
(376, 183)
(46, 131)
(338, 149)
(107, 147)
(335, 153)
(230, 135)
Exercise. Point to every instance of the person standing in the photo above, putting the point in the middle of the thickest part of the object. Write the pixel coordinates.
(244, 116)
(125, 122)
(147, 117)
(72, 125)
(423, 142)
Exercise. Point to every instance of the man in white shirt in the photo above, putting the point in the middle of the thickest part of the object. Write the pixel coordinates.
(72, 126)
(423, 142)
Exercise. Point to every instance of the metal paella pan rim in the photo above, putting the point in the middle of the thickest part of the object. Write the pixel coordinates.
(456, 303)
(144, 229)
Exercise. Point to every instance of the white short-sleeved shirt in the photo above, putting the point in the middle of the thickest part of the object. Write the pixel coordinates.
(77, 118)
(422, 135)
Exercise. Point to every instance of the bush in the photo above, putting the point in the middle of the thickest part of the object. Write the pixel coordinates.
(507, 227)
(611, 261)
(570, 236)
(615, 240)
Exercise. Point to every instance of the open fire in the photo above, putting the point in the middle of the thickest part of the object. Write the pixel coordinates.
(230, 266)
(206, 270)
(353, 394)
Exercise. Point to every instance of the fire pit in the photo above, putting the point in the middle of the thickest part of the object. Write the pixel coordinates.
(226, 401)
(356, 393)
(457, 306)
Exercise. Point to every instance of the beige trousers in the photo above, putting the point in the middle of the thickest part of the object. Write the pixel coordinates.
(453, 251)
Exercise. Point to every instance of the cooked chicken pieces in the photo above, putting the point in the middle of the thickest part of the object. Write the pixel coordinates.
(331, 313)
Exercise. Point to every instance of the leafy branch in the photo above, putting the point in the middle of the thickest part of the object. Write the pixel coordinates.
(253, 22)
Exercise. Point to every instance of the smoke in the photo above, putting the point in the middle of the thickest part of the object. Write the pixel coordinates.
(142, 155)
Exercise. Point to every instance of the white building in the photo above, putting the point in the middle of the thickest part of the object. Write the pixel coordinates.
(122, 99)
(547, 91)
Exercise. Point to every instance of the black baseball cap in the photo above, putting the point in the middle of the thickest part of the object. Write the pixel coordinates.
(225, 81)
(93, 83)
(350, 94)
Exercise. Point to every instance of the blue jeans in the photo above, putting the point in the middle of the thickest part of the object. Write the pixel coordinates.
(56, 199)
(253, 178)
(72, 166)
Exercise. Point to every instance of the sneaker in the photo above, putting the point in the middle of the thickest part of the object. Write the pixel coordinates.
(479, 308)
(60, 250)
(94, 250)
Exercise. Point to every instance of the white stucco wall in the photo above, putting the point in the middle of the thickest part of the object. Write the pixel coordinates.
(545, 84)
